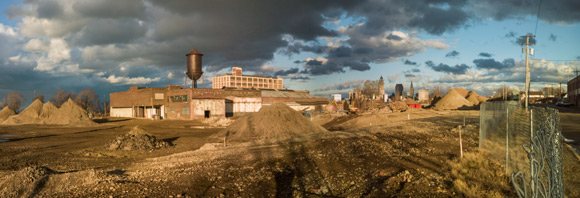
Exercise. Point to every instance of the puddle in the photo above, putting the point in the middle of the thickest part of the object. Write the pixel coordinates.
(4, 141)
(7, 135)
(196, 127)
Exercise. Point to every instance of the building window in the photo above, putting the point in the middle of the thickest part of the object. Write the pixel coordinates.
(184, 110)
(172, 110)
(182, 98)
(158, 96)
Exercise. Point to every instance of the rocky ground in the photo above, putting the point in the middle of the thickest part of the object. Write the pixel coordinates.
(367, 155)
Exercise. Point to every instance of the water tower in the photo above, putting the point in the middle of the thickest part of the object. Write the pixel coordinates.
(194, 71)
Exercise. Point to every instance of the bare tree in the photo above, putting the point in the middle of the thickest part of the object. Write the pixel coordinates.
(88, 100)
(370, 88)
(40, 97)
(13, 101)
(60, 97)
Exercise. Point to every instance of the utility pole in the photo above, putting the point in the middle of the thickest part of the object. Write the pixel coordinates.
(527, 51)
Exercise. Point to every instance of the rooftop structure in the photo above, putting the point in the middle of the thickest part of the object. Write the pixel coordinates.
(237, 80)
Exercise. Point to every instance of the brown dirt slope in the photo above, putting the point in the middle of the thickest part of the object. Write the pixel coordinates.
(5, 113)
(398, 106)
(452, 100)
(461, 91)
(30, 115)
(473, 98)
(277, 121)
(70, 114)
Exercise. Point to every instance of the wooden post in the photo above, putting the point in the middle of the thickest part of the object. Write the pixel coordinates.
(460, 143)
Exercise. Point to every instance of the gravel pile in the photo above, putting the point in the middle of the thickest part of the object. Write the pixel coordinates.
(137, 139)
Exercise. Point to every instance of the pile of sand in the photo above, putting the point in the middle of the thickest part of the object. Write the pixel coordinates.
(47, 110)
(137, 139)
(276, 121)
(410, 101)
(452, 100)
(218, 122)
(25, 182)
(30, 115)
(398, 106)
(38, 113)
(462, 92)
(70, 114)
(5, 113)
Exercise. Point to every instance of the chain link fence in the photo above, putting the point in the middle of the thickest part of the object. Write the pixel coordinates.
(528, 142)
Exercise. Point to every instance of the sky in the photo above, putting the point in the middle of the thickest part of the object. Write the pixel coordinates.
(323, 46)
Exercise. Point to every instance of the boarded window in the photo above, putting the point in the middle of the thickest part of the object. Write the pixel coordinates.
(158, 96)
(182, 98)
(184, 110)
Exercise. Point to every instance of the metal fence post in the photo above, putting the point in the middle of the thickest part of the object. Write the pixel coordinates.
(507, 148)
(532, 179)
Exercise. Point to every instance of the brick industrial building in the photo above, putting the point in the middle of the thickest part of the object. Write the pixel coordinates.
(238, 94)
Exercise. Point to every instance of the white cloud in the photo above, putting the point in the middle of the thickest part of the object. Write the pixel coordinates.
(170, 75)
(320, 58)
(36, 45)
(58, 53)
(127, 80)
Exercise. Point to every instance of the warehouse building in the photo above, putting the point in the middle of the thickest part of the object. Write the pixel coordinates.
(237, 80)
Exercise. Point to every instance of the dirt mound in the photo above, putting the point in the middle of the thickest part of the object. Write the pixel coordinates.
(218, 122)
(137, 139)
(461, 91)
(398, 106)
(410, 101)
(473, 98)
(47, 110)
(452, 100)
(30, 115)
(70, 114)
(25, 182)
(5, 113)
(276, 121)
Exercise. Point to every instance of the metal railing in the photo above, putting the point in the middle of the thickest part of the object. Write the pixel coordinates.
(528, 142)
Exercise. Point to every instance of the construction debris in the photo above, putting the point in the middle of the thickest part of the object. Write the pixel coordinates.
(137, 139)
(276, 121)
(452, 100)
(398, 106)
(26, 182)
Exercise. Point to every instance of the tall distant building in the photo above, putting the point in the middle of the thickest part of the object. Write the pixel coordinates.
(398, 91)
(412, 91)
(381, 88)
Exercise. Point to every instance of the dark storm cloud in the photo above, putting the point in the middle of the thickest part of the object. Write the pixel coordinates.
(437, 21)
(286, 72)
(415, 70)
(314, 63)
(300, 78)
(552, 38)
(408, 62)
(452, 54)
(298, 61)
(493, 64)
(109, 31)
(562, 11)
(410, 75)
(340, 52)
(49, 9)
(485, 54)
(522, 40)
(110, 8)
(394, 37)
(457, 69)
